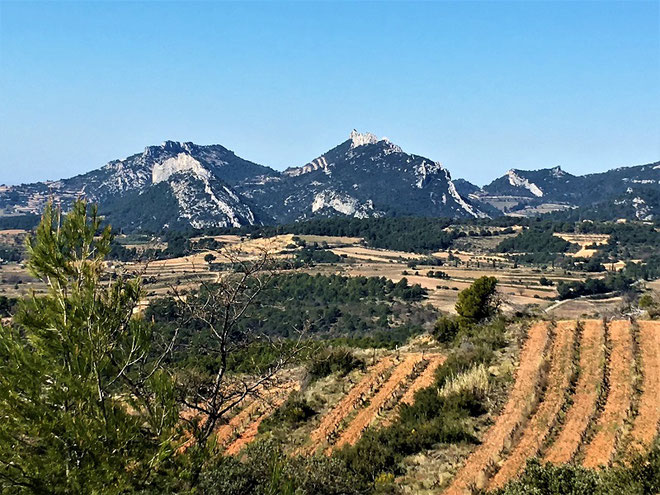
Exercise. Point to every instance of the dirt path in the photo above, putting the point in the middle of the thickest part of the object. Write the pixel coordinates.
(398, 378)
(645, 427)
(331, 421)
(592, 355)
(600, 450)
(522, 400)
(544, 418)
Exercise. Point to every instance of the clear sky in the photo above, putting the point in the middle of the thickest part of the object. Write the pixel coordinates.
(480, 87)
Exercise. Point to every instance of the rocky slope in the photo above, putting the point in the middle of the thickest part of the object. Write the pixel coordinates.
(184, 184)
(174, 183)
(528, 192)
(363, 176)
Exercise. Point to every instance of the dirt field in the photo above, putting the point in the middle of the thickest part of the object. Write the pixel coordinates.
(590, 432)
(523, 398)
(544, 418)
(503, 453)
(584, 240)
(646, 423)
(327, 430)
(397, 380)
(592, 356)
(600, 450)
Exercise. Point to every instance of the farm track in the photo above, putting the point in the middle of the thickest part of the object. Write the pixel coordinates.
(600, 450)
(578, 417)
(645, 425)
(425, 379)
(397, 380)
(331, 422)
(522, 399)
(540, 424)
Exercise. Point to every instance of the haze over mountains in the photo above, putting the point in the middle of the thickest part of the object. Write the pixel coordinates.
(184, 184)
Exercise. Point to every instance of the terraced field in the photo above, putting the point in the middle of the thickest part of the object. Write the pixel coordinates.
(522, 400)
(589, 420)
(541, 422)
(266, 408)
(600, 449)
(579, 415)
(391, 381)
(576, 398)
(648, 414)
(423, 380)
(330, 423)
(398, 380)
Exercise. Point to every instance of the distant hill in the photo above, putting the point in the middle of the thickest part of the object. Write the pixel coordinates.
(631, 192)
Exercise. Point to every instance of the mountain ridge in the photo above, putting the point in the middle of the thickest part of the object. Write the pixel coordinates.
(178, 184)
(210, 186)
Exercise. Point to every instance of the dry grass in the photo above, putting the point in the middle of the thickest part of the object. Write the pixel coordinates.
(473, 380)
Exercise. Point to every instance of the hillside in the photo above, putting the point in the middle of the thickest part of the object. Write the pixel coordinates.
(627, 192)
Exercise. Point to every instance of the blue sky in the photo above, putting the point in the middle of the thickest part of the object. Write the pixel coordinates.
(480, 87)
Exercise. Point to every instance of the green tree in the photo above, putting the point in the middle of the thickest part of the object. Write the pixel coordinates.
(85, 406)
(445, 329)
(479, 301)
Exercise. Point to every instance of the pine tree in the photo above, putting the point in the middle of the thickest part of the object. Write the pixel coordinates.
(479, 301)
(85, 407)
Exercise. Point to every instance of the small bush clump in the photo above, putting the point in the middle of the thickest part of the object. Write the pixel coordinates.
(329, 361)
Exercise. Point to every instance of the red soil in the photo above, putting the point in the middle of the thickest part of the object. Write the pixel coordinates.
(521, 400)
(424, 380)
(225, 432)
(331, 421)
(397, 379)
(645, 427)
(267, 408)
(592, 355)
(539, 425)
(600, 450)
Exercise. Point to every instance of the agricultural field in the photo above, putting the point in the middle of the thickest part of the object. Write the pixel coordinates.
(520, 285)
(591, 422)
(584, 241)
(584, 392)
(182, 261)
(437, 369)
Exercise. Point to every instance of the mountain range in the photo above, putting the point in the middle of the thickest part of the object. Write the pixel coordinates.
(627, 192)
(179, 185)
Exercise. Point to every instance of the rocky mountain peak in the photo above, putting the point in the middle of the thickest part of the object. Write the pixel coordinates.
(362, 138)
